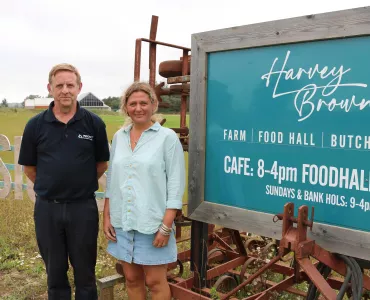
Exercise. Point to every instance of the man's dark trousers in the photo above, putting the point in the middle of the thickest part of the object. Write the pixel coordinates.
(68, 230)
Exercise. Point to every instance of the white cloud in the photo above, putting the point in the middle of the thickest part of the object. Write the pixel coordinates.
(99, 36)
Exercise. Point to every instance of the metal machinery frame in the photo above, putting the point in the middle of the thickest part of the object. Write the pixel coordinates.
(224, 260)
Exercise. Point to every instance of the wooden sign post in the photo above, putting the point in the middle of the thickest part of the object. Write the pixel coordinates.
(280, 112)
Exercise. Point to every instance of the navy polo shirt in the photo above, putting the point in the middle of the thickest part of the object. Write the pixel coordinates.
(65, 155)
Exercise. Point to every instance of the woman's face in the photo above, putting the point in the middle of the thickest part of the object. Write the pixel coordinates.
(140, 108)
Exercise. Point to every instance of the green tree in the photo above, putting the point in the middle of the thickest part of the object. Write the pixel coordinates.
(32, 97)
(113, 102)
(4, 103)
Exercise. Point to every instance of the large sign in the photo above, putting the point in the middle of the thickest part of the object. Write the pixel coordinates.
(280, 113)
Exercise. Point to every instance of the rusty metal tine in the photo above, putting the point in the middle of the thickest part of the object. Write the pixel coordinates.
(179, 292)
(185, 60)
(153, 50)
(152, 34)
(165, 44)
(238, 241)
(315, 276)
(335, 263)
(282, 285)
(329, 259)
(137, 60)
(260, 296)
(312, 216)
(301, 224)
(252, 277)
(288, 214)
(153, 28)
(152, 63)
(223, 243)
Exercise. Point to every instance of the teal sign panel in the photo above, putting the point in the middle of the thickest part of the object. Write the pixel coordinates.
(291, 123)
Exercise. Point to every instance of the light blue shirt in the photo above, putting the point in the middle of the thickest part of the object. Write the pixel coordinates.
(143, 183)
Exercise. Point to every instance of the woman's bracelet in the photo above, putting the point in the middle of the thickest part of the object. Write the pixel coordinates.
(164, 230)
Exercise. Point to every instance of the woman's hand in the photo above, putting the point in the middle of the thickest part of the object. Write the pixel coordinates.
(109, 231)
(160, 240)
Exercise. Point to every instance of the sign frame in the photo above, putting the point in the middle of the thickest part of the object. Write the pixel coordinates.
(326, 26)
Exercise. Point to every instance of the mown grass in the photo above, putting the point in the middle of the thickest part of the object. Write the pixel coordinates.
(22, 271)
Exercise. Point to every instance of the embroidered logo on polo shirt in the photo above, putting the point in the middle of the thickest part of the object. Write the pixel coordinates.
(86, 137)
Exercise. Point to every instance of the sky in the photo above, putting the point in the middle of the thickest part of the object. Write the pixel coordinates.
(98, 37)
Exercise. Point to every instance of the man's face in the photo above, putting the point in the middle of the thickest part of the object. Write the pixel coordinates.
(64, 89)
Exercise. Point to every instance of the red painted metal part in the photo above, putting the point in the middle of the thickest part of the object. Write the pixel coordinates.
(178, 79)
(159, 90)
(137, 60)
(252, 277)
(165, 44)
(179, 292)
(172, 68)
(315, 276)
(153, 51)
(294, 239)
(229, 267)
(335, 264)
(184, 96)
(281, 286)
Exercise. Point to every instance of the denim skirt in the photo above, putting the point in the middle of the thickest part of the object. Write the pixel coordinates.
(135, 247)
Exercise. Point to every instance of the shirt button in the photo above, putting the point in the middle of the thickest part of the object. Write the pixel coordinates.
(130, 165)
(129, 177)
(129, 188)
(129, 211)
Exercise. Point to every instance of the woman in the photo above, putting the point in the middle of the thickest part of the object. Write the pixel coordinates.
(145, 185)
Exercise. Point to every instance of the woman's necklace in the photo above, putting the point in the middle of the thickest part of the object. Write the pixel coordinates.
(133, 139)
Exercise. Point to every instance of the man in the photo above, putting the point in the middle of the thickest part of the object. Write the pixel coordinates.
(64, 151)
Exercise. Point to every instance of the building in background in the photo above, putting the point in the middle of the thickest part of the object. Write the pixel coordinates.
(86, 100)
(90, 101)
(37, 103)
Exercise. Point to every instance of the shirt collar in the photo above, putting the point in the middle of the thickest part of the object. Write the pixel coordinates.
(50, 117)
(156, 126)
